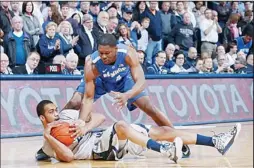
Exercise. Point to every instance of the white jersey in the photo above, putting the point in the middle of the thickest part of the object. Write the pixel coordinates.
(99, 145)
(81, 148)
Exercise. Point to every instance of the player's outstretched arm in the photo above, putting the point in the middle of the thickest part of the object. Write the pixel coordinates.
(88, 98)
(136, 72)
(63, 153)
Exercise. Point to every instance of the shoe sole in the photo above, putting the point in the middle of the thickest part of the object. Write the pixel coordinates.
(228, 147)
(178, 144)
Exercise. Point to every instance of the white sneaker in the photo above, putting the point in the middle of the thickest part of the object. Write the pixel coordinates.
(224, 141)
(173, 150)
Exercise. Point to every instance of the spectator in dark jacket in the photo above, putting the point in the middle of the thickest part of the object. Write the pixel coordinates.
(18, 44)
(170, 50)
(183, 35)
(154, 30)
(31, 65)
(158, 67)
(87, 39)
(5, 17)
(141, 57)
(99, 27)
(49, 44)
(249, 66)
(191, 59)
(139, 8)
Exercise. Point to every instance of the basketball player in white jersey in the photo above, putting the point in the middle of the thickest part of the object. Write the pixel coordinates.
(120, 138)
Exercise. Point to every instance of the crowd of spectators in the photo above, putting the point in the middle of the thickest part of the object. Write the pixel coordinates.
(170, 37)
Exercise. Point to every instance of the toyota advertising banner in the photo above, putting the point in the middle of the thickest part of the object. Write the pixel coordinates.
(183, 101)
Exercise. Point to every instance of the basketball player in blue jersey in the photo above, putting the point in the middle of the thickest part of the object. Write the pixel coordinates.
(120, 138)
(114, 69)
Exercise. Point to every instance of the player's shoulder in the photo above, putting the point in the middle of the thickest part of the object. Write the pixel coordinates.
(122, 48)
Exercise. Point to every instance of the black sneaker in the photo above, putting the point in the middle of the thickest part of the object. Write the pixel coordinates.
(186, 151)
(40, 155)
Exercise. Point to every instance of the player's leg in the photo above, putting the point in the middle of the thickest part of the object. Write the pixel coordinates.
(222, 141)
(144, 103)
(172, 150)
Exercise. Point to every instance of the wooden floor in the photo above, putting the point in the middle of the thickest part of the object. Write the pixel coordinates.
(20, 152)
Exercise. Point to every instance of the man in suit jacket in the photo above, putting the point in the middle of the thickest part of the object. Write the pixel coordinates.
(87, 40)
(31, 64)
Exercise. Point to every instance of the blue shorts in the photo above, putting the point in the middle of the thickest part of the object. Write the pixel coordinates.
(123, 86)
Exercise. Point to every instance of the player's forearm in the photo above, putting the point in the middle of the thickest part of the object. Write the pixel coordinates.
(96, 120)
(62, 152)
(86, 108)
(136, 89)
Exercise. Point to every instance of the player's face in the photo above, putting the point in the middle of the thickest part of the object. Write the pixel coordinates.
(107, 53)
(51, 114)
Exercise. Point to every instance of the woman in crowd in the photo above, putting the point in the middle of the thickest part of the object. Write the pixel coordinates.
(68, 42)
(31, 22)
(124, 36)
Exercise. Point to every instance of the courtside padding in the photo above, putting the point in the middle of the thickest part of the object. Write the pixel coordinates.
(186, 99)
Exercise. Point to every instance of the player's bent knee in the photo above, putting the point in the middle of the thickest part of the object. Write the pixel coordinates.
(121, 126)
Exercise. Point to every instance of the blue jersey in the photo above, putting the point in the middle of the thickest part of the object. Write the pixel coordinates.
(116, 73)
(116, 77)
(241, 46)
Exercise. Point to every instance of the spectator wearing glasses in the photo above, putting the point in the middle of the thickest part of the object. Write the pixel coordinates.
(179, 61)
(4, 68)
(31, 65)
(222, 66)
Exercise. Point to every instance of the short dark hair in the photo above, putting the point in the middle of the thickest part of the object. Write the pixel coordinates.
(107, 39)
(41, 105)
(24, 7)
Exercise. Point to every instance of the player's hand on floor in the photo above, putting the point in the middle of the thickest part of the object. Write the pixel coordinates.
(78, 128)
(120, 99)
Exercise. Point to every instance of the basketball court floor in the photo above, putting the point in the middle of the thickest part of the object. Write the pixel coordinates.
(20, 152)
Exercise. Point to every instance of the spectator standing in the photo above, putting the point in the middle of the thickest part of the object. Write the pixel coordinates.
(94, 10)
(18, 44)
(182, 35)
(143, 41)
(84, 7)
(154, 30)
(15, 8)
(168, 22)
(100, 26)
(87, 39)
(31, 22)
(6, 16)
(139, 8)
(209, 33)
